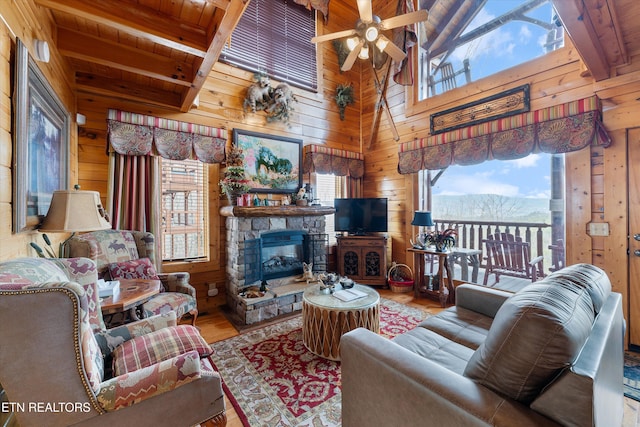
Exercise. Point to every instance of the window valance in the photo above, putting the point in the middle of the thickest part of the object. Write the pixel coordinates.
(320, 159)
(558, 129)
(137, 135)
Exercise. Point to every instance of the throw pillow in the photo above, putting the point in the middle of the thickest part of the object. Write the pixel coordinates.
(135, 269)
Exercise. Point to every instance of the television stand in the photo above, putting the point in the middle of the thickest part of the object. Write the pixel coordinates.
(363, 259)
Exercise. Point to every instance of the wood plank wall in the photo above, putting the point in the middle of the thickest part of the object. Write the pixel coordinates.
(596, 179)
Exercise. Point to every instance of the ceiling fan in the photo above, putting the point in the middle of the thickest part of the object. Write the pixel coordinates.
(367, 35)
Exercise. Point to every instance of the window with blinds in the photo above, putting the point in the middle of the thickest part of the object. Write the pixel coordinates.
(274, 36)
(326, 192)
(184, 222)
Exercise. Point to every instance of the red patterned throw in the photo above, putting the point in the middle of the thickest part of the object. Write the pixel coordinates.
(272, 379)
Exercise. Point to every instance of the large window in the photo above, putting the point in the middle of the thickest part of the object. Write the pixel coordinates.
(274, 37)
(184, 226)
(326, 191)
(501, 35)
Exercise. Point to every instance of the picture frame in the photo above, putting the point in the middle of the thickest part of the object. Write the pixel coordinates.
(273, 164)
(41, 143)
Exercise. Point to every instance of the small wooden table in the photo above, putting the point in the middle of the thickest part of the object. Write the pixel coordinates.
(133, 293)
(325, 318)
(445, 276)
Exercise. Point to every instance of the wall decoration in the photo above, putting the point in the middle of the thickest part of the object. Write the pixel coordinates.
(503, 104)
(272, 163)
(276, 102)
(41, 143)
(344, 97)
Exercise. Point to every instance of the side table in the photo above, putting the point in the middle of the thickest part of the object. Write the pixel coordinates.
(133, 293)
(325, 318)
(445, 276)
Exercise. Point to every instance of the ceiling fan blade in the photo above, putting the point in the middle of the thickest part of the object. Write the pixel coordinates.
(392, 50)
(351, 58)
(333, 36)
(364, 8)
(406, 19)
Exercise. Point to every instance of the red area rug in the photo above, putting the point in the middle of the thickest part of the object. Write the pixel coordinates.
(272, 379)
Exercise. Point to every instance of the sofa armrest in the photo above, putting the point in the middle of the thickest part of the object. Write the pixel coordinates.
(177, 282)
(134, 387)
(481, 299)
(385, 384)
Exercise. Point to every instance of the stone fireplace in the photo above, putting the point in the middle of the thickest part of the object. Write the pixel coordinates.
(270, 244)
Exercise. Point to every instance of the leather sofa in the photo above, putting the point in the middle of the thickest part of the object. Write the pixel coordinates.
(550, 354)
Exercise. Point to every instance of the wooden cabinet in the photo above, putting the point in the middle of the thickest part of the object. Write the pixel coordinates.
(363, 259)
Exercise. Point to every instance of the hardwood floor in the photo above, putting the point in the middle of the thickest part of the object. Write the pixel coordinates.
(215, 327)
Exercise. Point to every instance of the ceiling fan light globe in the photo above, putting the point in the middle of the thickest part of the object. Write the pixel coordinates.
(381, 44)
(364, 52)
(352, 42)
(371, 34)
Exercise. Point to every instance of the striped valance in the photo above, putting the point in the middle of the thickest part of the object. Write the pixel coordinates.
(558, 129)
(320, 159)
(138, 135)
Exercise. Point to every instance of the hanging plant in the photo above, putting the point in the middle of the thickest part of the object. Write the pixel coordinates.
(344, 97)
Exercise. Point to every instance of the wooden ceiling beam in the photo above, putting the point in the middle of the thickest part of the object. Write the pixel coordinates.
(126, 90)
(219, 37)
(138, 21)
(577, 22)
(111, 54)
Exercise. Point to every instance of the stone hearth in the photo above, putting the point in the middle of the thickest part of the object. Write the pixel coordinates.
(284, 295)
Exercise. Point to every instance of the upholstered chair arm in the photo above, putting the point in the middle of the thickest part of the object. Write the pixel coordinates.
(177, 282)
(109, 339)
(80, 270)
(134, 387)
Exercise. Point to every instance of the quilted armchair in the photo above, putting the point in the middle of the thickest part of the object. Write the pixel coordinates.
(60, 366)
(121, 253)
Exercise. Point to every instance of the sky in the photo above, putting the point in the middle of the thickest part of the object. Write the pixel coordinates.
(527, 177)
(511, 44)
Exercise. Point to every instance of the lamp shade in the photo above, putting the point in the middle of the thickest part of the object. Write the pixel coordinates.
(422, 218)
(75, 210)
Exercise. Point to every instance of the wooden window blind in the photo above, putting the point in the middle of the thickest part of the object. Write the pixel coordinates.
(274, 36)
(184, 224)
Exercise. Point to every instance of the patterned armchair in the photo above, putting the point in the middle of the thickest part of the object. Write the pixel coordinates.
(59, 366)
(118, 250)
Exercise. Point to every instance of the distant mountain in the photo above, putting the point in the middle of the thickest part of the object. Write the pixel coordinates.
(488, 207)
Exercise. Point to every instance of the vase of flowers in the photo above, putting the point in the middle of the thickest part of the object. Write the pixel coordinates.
(442, 240)
(234, 184)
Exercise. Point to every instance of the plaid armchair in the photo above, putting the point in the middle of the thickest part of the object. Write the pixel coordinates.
(56, 351)
(120, 251)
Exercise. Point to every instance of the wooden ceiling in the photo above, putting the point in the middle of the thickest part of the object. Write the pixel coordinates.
(152, 51)
(160, 52)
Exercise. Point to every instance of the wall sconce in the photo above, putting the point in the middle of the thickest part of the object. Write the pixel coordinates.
(41, 49)
(81, 119)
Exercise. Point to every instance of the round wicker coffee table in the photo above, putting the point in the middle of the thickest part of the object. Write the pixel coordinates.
(325, 318)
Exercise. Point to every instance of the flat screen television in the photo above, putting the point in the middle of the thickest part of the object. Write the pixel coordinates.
(361, 216)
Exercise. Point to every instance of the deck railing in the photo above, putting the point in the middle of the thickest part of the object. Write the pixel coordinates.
(471, 234)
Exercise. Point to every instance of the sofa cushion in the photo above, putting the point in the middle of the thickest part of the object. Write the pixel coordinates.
(169, 301)
(133, 269)
(535, 334)
(458, 324)
(154, 347)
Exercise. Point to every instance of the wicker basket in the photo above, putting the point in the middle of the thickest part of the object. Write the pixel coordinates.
(400, 278)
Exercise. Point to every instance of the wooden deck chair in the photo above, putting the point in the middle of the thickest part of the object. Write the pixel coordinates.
(557, 255)
(508, 255)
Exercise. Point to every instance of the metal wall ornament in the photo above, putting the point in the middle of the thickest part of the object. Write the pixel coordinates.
(504, 104)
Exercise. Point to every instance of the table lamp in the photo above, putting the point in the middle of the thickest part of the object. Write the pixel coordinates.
(74, 211)
(422, 219)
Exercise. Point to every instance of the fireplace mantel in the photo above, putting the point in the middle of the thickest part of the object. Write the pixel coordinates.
(266, 211)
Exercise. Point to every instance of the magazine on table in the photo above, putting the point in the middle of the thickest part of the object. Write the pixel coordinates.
(349, 294)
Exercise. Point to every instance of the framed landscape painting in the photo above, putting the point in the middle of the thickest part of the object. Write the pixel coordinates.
(41, 150)
(272, 164)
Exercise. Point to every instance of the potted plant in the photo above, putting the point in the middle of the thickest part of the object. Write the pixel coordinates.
(234, 184)
(442, 240)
